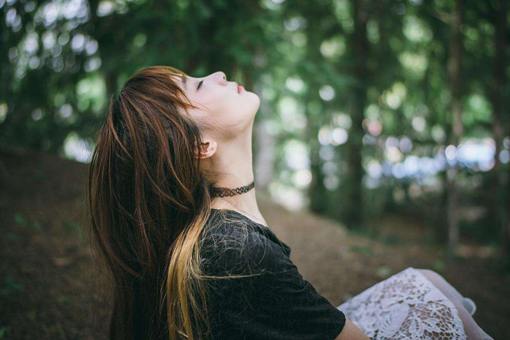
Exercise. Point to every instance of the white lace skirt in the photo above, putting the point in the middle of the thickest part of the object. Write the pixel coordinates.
(404, 306)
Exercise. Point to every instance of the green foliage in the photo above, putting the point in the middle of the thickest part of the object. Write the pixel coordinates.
(23, 221)
(10, 286)
(383, 66)
(4, 332)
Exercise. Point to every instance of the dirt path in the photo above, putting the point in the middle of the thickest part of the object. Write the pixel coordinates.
(49, 287)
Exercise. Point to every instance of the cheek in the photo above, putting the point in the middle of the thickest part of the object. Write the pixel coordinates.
(221, 102)
(212, 99)
(233, 109)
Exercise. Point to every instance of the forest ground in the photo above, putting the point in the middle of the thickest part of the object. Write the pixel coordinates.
(50, 286)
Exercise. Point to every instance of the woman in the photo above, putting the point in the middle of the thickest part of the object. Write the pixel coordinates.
(174, 214)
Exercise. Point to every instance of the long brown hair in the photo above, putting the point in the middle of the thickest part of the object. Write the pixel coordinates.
(148, 201)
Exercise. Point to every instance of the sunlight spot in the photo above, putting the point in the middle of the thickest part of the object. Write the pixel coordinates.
(504, 155)
(333, 48)
(329, 168)
(31, 43)
(325, 135)
(37, 114)
(326, 152)
(105, 8)
(294, 23)
(77, 148)
(405, 144)
(374, 168)
(331, 182)
(302, 178)
(296, 154)
(506, 142)
(393, 154)
(450, 152)
(3, 111)
(416, 30)
(295, 84)
(339, 136)
(342, 120)
(415, 63)
(438, 134)
(391, 141)
(395, 96)
(291, 114)
(419, 123)
(288, 196)
(373, 126)
(327, 93)
(78, 42)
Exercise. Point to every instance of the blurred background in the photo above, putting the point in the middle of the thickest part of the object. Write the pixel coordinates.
(382, 139)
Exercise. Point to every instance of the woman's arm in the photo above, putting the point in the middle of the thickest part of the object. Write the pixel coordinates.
(351, 332)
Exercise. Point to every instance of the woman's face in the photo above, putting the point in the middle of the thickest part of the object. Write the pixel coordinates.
(227, 108)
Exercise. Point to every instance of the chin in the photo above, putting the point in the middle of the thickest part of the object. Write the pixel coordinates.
(252, 101)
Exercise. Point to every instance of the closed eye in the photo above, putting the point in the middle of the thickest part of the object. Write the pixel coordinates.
(199, 84)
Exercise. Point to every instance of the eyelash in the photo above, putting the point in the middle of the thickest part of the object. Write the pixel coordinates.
(199, 84)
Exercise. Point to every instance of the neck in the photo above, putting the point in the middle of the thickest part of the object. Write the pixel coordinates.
(234, 163)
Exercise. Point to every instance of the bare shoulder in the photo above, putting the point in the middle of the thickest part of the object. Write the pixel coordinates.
(351, 332)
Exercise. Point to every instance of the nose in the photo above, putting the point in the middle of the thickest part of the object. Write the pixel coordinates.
(222, 76)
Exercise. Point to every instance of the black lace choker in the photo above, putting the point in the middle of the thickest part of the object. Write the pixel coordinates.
(222, 192)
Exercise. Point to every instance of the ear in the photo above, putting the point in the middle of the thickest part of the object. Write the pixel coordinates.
(207, 149)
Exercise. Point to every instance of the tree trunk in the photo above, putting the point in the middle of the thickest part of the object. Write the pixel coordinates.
(354, 197)
(317, 192)
(496, 95)
(454, 73)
